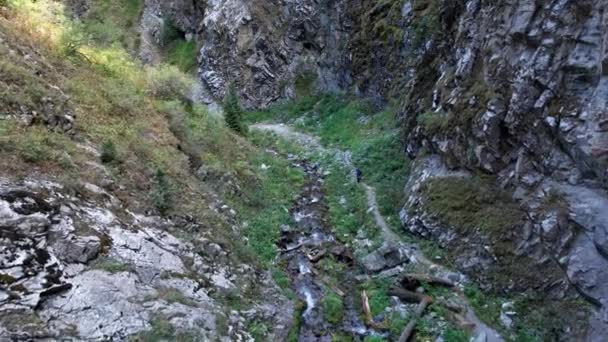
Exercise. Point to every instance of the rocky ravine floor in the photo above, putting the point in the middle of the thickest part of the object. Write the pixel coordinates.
(392, 245)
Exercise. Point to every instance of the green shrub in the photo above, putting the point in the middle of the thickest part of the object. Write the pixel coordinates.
(455, 335)
(108, 152)
(258, 330)
(7, 279)
(183, 55)
(122, 96)
(7, 3)
(161, 191)
(433, 122)
(233, 113)
(167, 82)
(35, 152)
(162, 330)
(333, 308)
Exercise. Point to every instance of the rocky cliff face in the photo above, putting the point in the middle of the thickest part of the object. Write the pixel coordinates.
(501, 98)
(515, 90)
(263, 47)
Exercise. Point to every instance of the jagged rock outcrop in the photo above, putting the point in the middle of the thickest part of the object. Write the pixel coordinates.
(94, 271)
(264, 47)
(515, 90)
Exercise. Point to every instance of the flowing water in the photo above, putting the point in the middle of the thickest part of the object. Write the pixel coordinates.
(304, 247)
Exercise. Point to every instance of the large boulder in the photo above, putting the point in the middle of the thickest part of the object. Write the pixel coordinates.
(386, 256)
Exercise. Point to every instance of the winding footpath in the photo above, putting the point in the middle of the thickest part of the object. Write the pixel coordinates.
(481, 331)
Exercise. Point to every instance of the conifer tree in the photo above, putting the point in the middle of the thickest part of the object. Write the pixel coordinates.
(233, 113)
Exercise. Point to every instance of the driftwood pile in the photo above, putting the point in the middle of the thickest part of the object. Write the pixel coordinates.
(405, 289)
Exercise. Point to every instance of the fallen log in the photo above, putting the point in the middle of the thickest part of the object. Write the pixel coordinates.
(367, 313)
(415, 278)
(337, 290)
(409, 328)
(293, 248)
(406, 295)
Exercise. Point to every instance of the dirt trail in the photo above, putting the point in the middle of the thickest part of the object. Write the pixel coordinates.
(481, 332)
(313, 143)
(372, 204)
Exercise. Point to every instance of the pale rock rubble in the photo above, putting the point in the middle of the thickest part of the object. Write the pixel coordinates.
(93, 271)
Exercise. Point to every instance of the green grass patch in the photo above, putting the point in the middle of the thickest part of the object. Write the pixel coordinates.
(434, 122)
(258, 330)
(267, 197)
(455, 335)
(347, 204)
(396, 323)
(333, 308)
(352, 124)
(36, 145)
(486, 307)
(172, 295)
(385, 167)
(183, 54)
(112, 266)
(273, 195)
(469, 204)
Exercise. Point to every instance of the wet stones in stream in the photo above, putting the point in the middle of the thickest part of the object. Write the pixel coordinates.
(303, 247)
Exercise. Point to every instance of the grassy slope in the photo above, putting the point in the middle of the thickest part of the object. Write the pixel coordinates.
(152, 140)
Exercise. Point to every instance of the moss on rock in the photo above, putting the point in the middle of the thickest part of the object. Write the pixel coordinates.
(469, 204)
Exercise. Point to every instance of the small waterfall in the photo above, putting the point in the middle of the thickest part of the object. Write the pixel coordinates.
(304, 268)
(310, 301)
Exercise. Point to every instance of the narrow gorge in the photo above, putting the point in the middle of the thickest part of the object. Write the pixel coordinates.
(303, 170)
